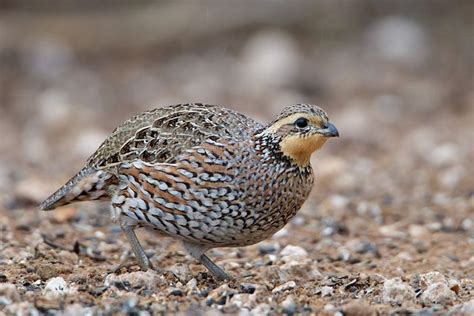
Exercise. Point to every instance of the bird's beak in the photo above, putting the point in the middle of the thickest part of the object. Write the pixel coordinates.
(329, 131)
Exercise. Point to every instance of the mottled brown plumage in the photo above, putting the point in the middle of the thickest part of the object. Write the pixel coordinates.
(207, 175)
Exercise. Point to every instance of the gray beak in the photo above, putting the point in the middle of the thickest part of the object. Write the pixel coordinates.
(329, 131)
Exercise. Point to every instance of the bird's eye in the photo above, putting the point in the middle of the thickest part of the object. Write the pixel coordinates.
(301, 122)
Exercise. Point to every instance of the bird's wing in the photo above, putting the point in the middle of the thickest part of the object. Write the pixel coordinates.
(153, 137)
(161, 135)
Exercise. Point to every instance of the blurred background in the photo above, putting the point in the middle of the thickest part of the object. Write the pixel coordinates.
(394, 76)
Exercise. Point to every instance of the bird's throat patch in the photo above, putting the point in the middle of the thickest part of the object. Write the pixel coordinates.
(299, 148)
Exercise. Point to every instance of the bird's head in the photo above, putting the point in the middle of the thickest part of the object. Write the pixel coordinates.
(301, 130)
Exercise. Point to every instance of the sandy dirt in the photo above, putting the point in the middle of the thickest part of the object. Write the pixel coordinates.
(388, 228)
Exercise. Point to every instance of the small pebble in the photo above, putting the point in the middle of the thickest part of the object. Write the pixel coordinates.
(418, 231)
(248, 288)
(358, 309)
(432, 277)
(289, 305)
(327, 291)
(291, 250)
(364, 247)
(392, 231)
(221, 295)
(56, 287)
(244, 301)
(192, 284)
(176, 292)
(396, 292)
(3, 278)
(268, 247)
(139, 279)
(181, 271)
(284, 287)
(98, 291)
(329, 307)
(438, 293)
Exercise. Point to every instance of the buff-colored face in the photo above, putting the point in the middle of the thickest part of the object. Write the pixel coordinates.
(302, 134)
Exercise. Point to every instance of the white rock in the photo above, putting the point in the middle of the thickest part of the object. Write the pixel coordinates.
(344, 254)
(244, 300)
(327, 291)
(395, 291)
(56, 287)
(468, 224)
(298, 221)
(405, 256)
(418, 231)
(329, 307)
(432, 277)
(392, 231)
(438, 293)
(222, 294)
(181, 271)
(99, 235)
(272, 258)
(434, 226)
(192, 284)
(284, 287)
(268, 247)
(291, 250)
(372, 209)
(138, 279)
(289, 305)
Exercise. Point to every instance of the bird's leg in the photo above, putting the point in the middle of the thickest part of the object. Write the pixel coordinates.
(214, 268)
(128, 226)
(197, 251)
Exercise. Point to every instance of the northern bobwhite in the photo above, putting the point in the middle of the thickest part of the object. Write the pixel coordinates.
(205, 174)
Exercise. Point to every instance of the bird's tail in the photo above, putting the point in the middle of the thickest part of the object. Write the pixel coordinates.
(88, 184)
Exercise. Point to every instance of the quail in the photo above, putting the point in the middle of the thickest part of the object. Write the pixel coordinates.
(204, 174)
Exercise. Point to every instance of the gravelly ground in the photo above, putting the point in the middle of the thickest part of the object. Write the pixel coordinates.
(388, 229)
